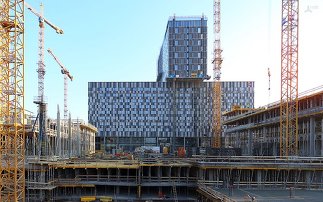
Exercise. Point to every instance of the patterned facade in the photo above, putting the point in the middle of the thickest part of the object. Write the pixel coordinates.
(155, 113)
(184, 50)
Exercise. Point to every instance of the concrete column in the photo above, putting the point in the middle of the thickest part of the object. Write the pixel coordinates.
(78, 136)
(259, 178)
(58, 136)
(99, 174)
(276, 140)
(159, 172)
(237, 141)
(70, 145)
(312, 137)
(263, 140)
(250, 140)
(117, 190)
(187, 173)
(200, 174)
(198, 141)
(308, 175)
(179, 171)
(322, 137)
(211, 176)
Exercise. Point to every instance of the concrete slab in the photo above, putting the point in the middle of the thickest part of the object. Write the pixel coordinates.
(299, 195)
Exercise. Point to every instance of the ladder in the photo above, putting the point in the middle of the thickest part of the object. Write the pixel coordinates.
(175, 192)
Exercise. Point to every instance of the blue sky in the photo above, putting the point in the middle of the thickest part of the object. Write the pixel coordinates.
(119, 40)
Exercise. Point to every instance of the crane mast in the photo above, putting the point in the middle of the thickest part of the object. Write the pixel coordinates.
(269, 76)
(289, 79)
(41, 63)
(66, 76)
(40, 100)
(217, 62)
(42, 146)
(12, 132)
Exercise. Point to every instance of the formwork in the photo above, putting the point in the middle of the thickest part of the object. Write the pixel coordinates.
(39, 180)
(176, 179)
(124, 179)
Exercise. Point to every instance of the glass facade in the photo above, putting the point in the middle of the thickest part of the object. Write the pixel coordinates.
(175, 111)
(160, 109)
(184, 50)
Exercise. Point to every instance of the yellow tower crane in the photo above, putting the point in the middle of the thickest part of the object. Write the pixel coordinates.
(217, 62)
(289, 79)
(12, 132)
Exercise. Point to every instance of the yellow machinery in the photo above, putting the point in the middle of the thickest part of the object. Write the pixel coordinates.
(12, 133)
(289, 79)
(106, 199)
(217, 62)
(88, 198)
(93, 198)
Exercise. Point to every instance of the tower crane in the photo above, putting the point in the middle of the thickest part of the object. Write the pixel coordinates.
(12, 131)
(41, 18)
(289, 79)
(66, 76)
(269, 76)
(40, 100)
(217, 62)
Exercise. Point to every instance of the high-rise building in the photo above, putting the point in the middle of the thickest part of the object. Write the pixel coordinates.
(132, 114)
(176, 110)
(184, 50)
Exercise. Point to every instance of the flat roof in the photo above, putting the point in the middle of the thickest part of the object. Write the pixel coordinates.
(184, 18)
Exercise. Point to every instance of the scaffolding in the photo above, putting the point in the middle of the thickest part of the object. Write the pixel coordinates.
(65, 141)
(12, 133)
(177, 179)
(257, 131)
(39, 181)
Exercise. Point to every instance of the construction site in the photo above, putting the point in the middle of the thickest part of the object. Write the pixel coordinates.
(270, 153)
